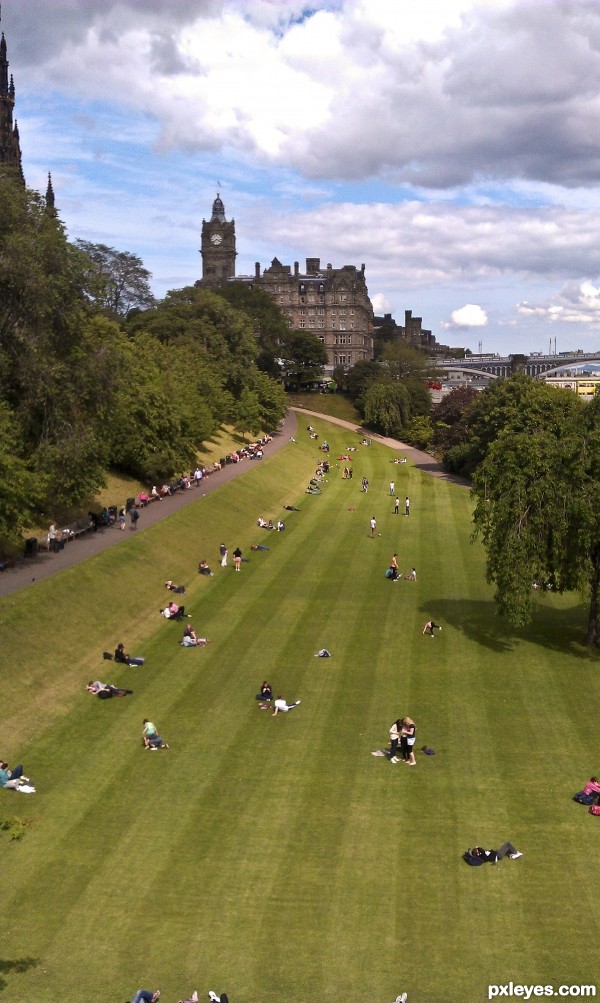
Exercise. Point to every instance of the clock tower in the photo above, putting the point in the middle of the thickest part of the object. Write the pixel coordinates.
(218, 247)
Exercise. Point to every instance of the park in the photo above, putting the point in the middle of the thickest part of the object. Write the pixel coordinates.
(275, 858)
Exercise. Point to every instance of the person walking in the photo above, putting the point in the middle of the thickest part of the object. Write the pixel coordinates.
(407, 506)
(134, 516)
(396, 505)
(373, 526)
(223, 553)
(122, 519)
(394, 568)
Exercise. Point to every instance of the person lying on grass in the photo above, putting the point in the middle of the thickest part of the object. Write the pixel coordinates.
(282, 705)
(106, 690)
(179, 589)
(480, 856)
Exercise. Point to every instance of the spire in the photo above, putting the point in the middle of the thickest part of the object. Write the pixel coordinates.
(50, 201)
(3, 67)
(10, 148)
(218, 211)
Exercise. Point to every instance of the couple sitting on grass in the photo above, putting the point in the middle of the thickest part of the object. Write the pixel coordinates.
(191, 640)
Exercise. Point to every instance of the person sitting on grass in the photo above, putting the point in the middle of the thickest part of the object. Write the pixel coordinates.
(151, 738)
(105, 690)
(123, 658)
(203, 568)
(173, 612)
(14, 780)
(265, 696)
(592, 786)
(282, 705)
(480, 856)
(191, 640)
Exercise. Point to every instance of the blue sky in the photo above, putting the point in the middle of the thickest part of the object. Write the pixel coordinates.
(453, 148)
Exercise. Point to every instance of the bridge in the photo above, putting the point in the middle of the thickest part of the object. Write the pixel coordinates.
(538, 365)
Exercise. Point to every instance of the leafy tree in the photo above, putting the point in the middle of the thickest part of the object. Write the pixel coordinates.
(247, 413)
(537, 509)
(269, 324)
(19, 488)
(356, 380)
(419, 432)
(448, 417)
(116, 281)
(386, 406)
(303, 356)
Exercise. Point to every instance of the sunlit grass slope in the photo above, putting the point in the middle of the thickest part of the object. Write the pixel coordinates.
(277, 859)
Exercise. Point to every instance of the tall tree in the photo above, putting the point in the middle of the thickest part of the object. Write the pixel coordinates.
(537, 509)
(116, 281)
(303, 356)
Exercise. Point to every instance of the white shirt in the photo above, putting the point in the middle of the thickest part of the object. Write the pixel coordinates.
(281, 705)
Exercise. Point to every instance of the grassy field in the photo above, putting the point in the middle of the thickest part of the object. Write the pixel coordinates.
(335, 405)
(276, 858)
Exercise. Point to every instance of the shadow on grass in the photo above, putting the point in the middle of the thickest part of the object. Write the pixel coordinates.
(18, 965)
(562, 630)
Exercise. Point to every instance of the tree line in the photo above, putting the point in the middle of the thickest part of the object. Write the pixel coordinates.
(95, 374)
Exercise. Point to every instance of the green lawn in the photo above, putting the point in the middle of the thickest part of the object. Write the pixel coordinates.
(277, 859)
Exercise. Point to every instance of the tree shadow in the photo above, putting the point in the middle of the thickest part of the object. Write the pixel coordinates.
(17, 965)
(562, 630)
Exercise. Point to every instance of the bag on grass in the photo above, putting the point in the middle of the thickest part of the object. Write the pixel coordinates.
(473, 861)
(595, 809)
(583, 798)
(107, 656)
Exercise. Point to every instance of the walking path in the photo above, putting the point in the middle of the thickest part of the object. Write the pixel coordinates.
(44, 564)
(422, 460)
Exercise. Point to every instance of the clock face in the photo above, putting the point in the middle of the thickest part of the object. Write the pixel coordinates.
(216, 239)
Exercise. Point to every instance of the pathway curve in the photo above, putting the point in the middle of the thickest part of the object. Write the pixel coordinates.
(44, 564)
(422, 460)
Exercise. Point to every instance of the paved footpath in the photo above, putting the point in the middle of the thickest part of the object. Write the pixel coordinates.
(45, 564)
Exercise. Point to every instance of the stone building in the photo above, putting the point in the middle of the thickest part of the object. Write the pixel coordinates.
(217, 247)
(331, 303)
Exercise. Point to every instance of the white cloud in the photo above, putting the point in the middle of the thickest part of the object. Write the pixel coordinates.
(381, 304)
(469, 315)
(576, 303)
(355, 88)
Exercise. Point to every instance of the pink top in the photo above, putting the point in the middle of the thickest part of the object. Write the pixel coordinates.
(591, 787)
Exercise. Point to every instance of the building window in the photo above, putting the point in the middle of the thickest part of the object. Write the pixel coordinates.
(322, 340)
(302, 311)
(321, 323)
(311, 322)
(321, 310)
(301, 324)
(342, 325)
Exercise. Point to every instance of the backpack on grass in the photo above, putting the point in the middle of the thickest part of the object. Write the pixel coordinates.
(595, 809)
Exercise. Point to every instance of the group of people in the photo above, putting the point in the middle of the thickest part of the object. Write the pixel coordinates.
(403, 735)
(393, 572)
(279, 705)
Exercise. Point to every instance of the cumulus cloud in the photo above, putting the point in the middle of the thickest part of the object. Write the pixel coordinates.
(576, 303)
(381, 304)
(467, 316)
(429, 95)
